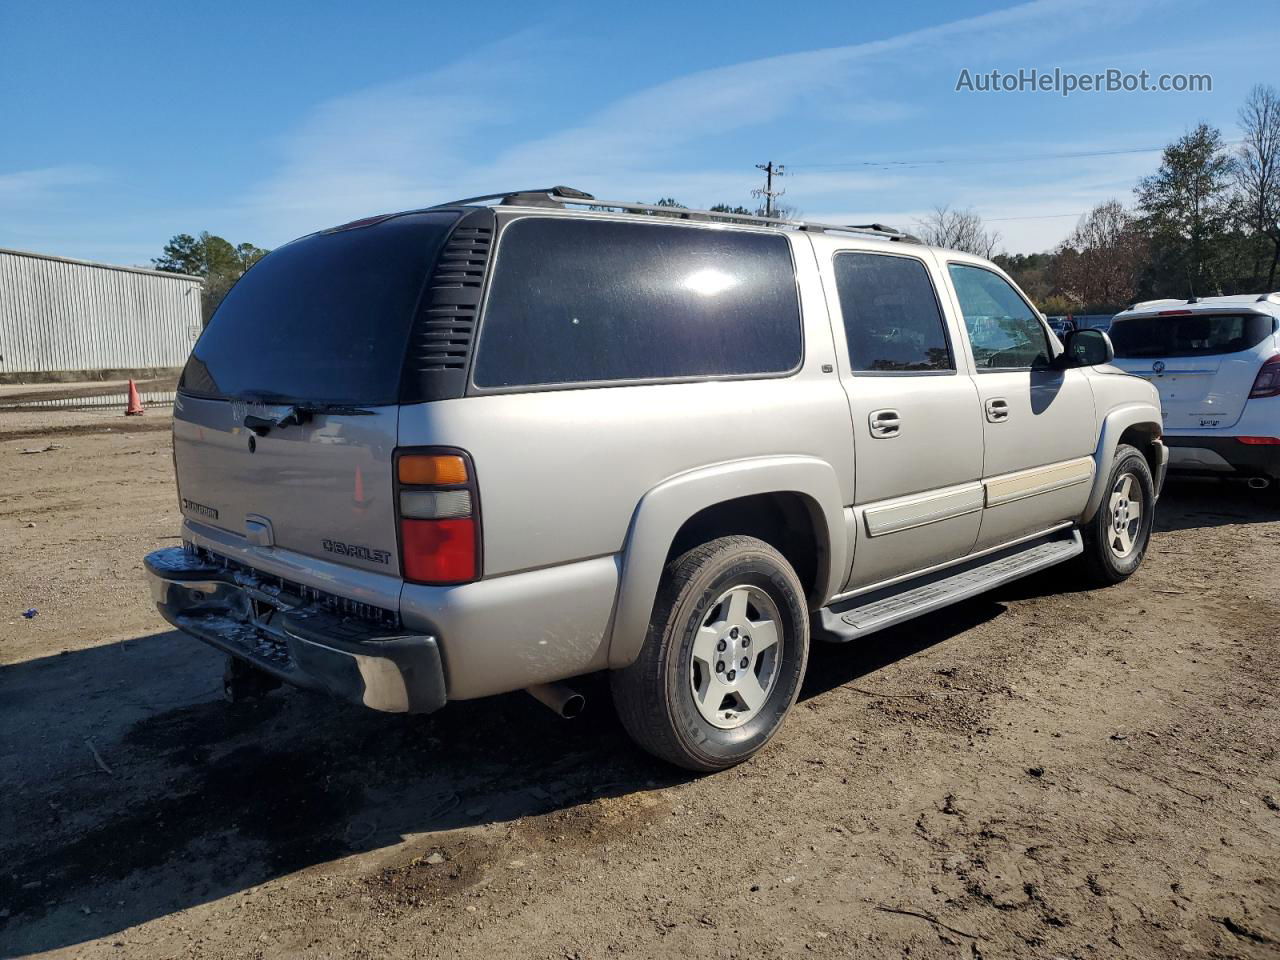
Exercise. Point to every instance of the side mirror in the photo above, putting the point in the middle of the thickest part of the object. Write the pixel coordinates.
(1086, 348)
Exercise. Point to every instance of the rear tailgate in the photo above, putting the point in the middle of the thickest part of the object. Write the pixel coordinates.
(1203, 364)
(286, 419)
(323, 489)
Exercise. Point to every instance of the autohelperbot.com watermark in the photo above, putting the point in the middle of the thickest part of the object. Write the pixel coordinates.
(1066, 82)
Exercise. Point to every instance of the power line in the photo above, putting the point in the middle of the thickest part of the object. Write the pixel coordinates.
(1038, 216)
(1023, 158)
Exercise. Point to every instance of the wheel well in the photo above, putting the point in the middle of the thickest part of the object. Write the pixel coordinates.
(1143, 436)
(789, 522)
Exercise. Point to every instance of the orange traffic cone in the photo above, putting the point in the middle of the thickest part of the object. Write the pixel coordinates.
(135, 402)
(357, 495)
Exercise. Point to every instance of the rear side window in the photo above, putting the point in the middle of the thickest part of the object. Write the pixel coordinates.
(1189, 336)
(325, 318)
(1004, 332)
(583, 301)
(892, 320)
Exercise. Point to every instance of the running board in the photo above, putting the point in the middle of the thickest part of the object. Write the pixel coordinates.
(857, 617)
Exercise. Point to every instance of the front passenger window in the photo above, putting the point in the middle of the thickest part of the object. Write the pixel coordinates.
(1004, 333)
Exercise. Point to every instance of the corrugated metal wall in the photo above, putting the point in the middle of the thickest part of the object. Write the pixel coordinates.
(65, 315)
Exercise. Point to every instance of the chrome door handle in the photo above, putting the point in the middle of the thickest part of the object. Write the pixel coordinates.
(997, 409)
(884, 423)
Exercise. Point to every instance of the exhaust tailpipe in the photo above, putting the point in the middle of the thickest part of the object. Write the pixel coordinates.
(1258, 483)
(561, 700)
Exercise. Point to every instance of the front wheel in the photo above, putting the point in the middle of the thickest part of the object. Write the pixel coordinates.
(1115, 540)
(723, 659)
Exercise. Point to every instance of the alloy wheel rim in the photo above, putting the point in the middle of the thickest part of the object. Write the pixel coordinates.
(737, 651)
(1125, 516)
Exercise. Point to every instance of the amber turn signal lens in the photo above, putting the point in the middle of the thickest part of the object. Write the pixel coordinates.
(436, 469)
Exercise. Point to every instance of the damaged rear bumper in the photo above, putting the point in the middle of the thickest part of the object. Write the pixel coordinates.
(301, 643)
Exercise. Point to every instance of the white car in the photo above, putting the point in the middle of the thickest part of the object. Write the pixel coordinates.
(1216, 363)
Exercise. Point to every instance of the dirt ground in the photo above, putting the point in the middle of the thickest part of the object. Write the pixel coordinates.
(1037, 773)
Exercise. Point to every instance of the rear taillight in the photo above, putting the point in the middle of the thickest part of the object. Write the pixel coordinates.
(436, 504)
(1260, 441)
(1267, 383)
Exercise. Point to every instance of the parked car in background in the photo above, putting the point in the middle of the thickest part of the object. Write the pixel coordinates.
(1061, 326)
(471, 449)
(1092, 321)
(1216, 363)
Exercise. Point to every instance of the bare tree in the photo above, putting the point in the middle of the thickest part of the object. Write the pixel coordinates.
(958, 230)
(1258, 168)
(1101, 263)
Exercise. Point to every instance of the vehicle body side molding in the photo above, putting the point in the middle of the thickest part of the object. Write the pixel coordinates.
(664, 509)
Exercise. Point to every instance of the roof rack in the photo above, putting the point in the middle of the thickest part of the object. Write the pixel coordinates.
(568, 196)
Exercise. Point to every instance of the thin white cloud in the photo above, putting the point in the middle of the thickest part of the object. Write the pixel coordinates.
(391, 146)
(420, 140)
(29, 186)
(714, 102)
(1029, 217)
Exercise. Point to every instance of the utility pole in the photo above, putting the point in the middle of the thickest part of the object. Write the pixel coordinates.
(771, 170)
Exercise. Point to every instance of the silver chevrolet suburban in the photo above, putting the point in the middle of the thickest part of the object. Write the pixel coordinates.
(496, 444)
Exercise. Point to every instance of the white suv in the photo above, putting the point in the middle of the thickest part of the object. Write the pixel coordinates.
(1216, 363)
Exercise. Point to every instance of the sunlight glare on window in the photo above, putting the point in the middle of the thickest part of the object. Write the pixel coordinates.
(709, 282)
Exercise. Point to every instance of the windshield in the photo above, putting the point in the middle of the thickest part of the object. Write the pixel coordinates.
(323, 319)
(1189, 335)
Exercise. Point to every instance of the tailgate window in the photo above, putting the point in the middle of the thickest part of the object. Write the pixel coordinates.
(1189, 336)
(324, 318)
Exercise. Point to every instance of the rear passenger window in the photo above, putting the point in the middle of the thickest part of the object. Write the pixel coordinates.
(892, 320)
(585, 301)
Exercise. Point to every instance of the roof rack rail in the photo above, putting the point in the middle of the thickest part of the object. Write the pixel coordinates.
(566, 196)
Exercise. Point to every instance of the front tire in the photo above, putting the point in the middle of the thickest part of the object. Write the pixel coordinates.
(723, 659)
(1116, 539)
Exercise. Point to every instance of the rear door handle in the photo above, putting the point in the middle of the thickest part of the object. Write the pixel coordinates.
(997, 409)
(884, 423)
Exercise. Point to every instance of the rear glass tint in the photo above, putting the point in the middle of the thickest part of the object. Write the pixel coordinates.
(1188, 336)
(325, 318)
(587, 301)
(892, 320)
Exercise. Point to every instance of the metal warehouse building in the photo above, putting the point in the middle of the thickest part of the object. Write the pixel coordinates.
(66, 319)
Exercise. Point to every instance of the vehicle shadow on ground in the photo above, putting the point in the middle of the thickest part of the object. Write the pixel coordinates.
(205, 799)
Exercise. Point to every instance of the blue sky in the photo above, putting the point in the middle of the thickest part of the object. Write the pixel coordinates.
(125, 124)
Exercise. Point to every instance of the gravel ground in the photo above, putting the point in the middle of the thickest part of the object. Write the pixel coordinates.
(1038, 773)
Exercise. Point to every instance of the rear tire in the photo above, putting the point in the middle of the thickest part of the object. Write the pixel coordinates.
(723, 659)
(1116, 539)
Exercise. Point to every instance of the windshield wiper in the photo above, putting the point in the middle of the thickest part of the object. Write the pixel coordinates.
(299, 412)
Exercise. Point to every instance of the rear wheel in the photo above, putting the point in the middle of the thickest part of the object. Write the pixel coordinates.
(723, 659)
(1115, 540)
